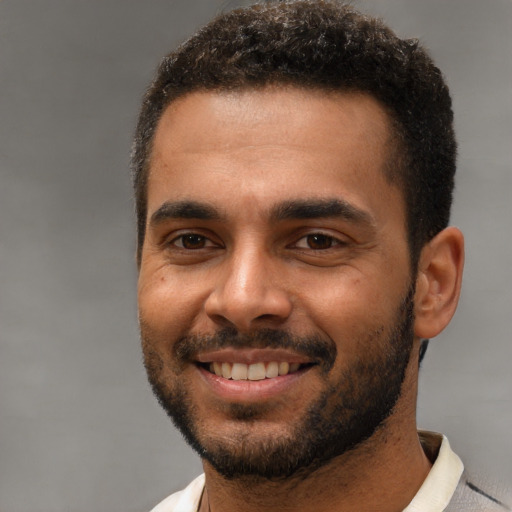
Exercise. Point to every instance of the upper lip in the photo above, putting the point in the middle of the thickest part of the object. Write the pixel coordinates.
(251, 356)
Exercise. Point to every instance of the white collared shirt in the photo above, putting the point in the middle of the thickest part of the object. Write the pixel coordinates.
(437, 490)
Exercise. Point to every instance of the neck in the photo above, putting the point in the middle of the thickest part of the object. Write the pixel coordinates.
(382, 474)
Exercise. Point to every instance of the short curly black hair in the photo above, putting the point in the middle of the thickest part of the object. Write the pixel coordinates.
(324, 45)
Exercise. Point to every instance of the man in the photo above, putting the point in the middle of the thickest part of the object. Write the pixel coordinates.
(293, 169)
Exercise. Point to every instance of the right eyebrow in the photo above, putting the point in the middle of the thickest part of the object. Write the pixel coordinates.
(321, 208)
(184, 210)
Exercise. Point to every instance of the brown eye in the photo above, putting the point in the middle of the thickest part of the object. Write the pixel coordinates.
(319, 241)
(191, 241)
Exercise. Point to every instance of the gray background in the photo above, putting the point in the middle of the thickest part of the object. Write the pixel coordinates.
(79, 429)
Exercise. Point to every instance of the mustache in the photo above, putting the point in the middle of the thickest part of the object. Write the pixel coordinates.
(319, 350)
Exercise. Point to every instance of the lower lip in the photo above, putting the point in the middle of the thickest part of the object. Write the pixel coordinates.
(251, 390)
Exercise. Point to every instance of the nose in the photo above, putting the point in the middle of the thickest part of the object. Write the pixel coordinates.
(247, 293)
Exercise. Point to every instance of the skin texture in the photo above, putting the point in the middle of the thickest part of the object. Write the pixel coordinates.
(241, 265)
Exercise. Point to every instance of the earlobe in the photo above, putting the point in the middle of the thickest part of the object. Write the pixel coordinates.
(438, 282)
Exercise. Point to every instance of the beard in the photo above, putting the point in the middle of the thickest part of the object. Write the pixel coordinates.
(350, 409)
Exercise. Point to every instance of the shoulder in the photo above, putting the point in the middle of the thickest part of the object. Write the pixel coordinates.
(448, 487)
(479, 495)
(186, 500)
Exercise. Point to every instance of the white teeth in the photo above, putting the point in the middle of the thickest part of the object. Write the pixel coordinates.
(239, 371)
(217, 368)
(256, 371)
(272, 370)
(226, 370)
(284, 368)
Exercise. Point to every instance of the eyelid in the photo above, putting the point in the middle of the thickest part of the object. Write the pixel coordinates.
(179, 235)
(336, 240)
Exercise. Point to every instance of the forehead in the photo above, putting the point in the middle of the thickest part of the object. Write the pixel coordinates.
(224, 120)
(271, 144)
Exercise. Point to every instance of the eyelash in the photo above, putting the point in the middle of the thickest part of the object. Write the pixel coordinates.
(183, 236)
(205, 242)
(331, 240)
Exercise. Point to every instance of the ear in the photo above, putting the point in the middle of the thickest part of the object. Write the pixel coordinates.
(438, 282)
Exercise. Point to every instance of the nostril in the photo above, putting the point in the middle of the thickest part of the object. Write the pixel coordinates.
(221, 321)
(239, 303)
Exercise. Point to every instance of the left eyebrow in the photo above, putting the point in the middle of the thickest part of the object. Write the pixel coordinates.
(321, 208)
(184, 210)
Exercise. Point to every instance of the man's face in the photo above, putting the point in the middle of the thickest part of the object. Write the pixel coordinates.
(275, 293)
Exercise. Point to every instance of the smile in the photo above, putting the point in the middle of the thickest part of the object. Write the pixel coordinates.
(252, 364)
(255, 371)
(252, 375)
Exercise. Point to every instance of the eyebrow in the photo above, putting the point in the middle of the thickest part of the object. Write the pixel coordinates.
(184, 210)
(321, 208)
(287, 210)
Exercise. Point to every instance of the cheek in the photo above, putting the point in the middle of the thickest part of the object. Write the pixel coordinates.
(342, 295)
(350, 309)
(168, 306)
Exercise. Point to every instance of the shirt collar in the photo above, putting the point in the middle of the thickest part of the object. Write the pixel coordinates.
(439, 486)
